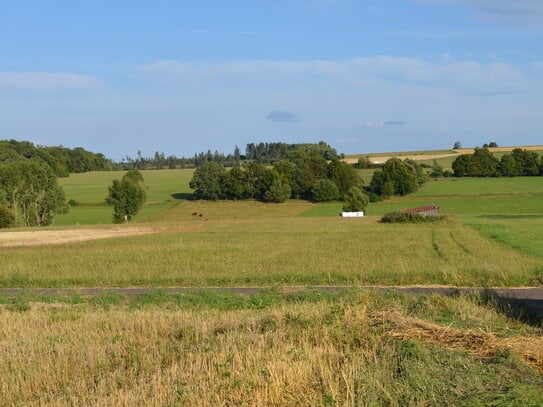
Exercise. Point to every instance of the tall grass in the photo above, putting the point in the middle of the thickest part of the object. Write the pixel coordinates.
(264, 251)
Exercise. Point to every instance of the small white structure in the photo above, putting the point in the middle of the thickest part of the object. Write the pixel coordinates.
(352, 214)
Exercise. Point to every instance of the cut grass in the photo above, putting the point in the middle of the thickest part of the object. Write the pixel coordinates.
(345, 351)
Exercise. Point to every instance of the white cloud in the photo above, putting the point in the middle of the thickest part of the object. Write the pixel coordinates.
(464, 76)
(47, 80)
(384, 123)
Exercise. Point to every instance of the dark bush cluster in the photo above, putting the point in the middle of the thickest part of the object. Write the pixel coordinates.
(402, 217)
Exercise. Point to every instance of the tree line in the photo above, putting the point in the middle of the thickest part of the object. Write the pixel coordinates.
(482, 163)
(306, 176)
(61, 160)
(263, 153)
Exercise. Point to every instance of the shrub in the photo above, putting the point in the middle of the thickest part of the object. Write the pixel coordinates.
(7, 219)
(402, 217)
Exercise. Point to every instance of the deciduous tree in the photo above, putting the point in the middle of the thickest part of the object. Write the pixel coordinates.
(127, 196)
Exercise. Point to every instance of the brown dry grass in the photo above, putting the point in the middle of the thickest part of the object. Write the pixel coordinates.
(65, 236)
(485, 344)
(304, 354)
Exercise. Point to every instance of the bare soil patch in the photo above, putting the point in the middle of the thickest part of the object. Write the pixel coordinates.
(59, 237)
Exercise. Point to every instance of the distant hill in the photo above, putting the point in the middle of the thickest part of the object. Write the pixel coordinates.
(62, 160)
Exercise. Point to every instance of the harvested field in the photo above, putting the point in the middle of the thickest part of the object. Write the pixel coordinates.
(59, 237)
(378, 159)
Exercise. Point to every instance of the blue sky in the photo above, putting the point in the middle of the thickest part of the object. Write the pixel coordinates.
(185, 76)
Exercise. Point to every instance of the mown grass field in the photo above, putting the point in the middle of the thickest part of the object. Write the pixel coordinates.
(304, 349)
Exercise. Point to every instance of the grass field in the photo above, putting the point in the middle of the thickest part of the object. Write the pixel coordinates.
(163, 185)
(164, 188)
(274, 250)
(352, 348)
(306, 349)
(252, 243)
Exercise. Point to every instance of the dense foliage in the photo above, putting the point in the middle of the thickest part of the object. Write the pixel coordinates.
(127, 196)
(7, 218)
(61, 160)
(269, 153)
(302, 175)
(30, 190)
(397, 177)
(355, 200)
(482, 163)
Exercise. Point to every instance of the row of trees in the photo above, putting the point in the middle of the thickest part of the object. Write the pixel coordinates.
(61, 160)
(482, 163)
